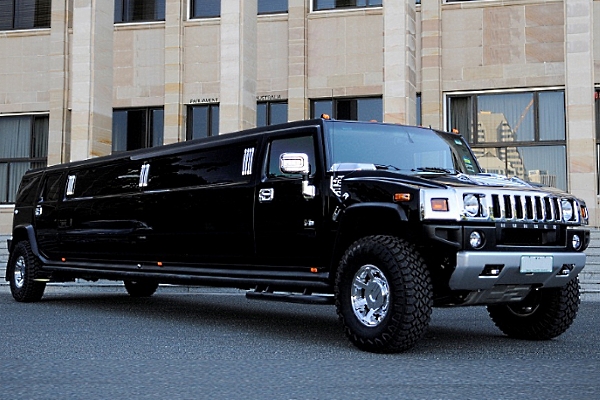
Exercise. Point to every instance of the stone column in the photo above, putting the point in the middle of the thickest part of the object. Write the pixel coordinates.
(92, 78)
(399, 62)
(174, 109)
(431, 63)
(237, 106)
(59, 134)
(297, 101)
(579, 97)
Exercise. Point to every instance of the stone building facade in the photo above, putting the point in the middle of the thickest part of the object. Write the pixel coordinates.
(84, 79)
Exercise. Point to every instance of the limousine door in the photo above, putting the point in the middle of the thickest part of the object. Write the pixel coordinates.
(46, 214)
(100, 218)
(286, 223)
(198, 206)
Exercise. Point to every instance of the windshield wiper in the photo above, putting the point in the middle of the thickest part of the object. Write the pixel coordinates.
(388, 166)
(435, 169)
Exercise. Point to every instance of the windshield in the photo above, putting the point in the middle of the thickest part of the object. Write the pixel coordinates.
(357, 145)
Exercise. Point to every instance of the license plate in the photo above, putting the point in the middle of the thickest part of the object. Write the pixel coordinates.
(536, 264)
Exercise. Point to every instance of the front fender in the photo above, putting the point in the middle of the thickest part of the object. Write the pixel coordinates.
(371, 218)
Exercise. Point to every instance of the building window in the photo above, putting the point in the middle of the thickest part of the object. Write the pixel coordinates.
(202, 121)
(271, 112)
(520, 134)
(272, 6)
(356, 109)
(23, 145)
(205, 8)
(24, 14)
(139, 10)
(137, 128)
(319, 5)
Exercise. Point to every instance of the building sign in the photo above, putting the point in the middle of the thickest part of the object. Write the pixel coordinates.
(268, 97)
(204, 100)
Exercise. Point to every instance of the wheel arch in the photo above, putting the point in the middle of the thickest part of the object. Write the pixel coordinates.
(23, 233)
(367, 219)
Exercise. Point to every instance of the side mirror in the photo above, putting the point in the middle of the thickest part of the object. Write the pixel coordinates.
(297, 163)
(294, 163)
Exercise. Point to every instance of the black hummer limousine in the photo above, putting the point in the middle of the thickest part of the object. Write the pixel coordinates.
(386, 221)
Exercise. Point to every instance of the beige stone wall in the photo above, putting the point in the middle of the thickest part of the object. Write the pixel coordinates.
(6, 217)
(139, 65)
(485, 46)
(24, 71)
(238, 70)
(25, 85)
(345, 56)
(596, 44)
(272, 57)
(201, 78)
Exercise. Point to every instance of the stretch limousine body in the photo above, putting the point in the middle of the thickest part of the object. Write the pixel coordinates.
(384, 221)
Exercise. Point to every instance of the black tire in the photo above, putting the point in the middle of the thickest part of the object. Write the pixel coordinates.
(141, 288)
(23, 270)
(543, 315)
(383, 294)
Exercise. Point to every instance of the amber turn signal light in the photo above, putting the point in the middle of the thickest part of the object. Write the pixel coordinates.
(439, 204)
(399, 197)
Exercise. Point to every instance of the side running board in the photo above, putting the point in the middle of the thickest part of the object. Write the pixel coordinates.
(304, 298)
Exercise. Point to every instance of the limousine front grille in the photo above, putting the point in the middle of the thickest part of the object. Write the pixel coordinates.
(531, 208)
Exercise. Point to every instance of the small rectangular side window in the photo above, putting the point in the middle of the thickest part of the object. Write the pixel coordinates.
(71, 185)
(144, 175)
(247, 162)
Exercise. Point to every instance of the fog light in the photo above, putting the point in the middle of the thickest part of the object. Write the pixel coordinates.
(576, 242)
(566, 269)
(476, 239)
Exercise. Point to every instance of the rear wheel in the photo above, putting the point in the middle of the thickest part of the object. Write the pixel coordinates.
(23, 270)
(141, 288)
(383, 294)
(543, 315)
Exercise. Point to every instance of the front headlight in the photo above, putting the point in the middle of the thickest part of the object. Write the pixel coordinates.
(471, 205)
(567, 209)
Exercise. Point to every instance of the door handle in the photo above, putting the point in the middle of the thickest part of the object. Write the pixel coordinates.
(266, 195)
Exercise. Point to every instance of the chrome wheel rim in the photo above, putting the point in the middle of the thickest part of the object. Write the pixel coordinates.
(19, 273)
(370, 295)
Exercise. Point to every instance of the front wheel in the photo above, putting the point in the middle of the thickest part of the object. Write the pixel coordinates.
(383, 294)
(141, 288)
(23, 267)
(543, 315)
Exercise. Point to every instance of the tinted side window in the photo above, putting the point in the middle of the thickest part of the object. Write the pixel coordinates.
(53, 188)
(215, 166)
(28, 190)
(301, 144)
(107, 180)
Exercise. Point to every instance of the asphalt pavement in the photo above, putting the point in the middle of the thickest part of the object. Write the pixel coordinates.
(96, 342)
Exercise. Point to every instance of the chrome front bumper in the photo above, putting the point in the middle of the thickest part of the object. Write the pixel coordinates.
(476, 270)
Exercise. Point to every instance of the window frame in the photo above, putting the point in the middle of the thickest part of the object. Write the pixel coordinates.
(148, 140)
(123, 7)
(503, 146)
(335, 103)
(287, 7)
(34, 162)
(269, 111)
(314, 6)
(42, 15)
(211, 107)
(192, 8)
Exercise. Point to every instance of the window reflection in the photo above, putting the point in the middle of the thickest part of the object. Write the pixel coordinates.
(545, 165)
